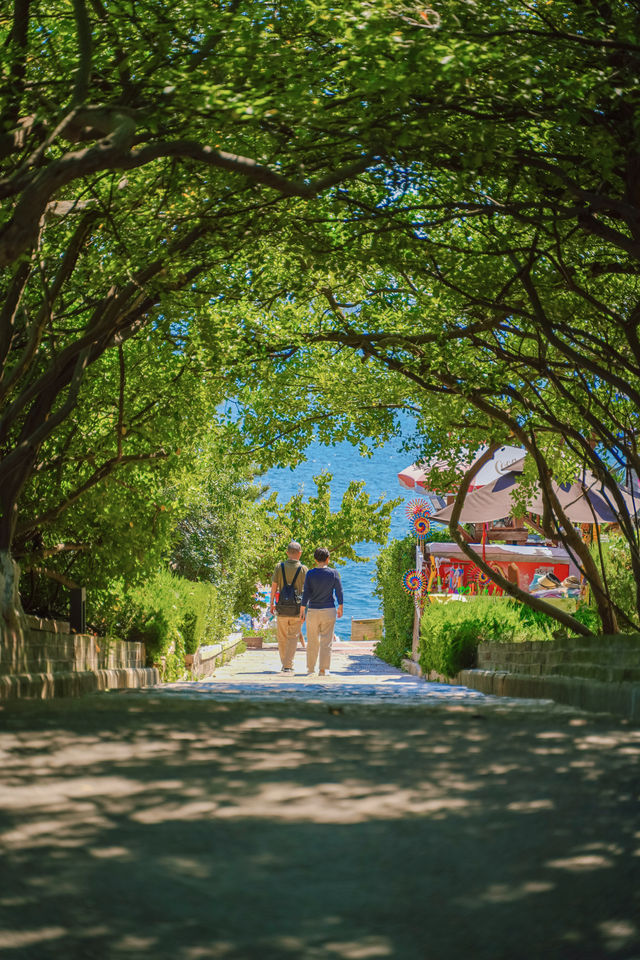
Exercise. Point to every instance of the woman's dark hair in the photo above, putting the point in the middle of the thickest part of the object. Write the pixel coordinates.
(321, 554)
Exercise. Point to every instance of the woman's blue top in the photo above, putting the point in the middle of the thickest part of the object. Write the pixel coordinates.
(320, 585)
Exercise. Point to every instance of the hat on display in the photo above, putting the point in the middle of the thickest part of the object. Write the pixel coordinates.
(549, 581)
(571, 581)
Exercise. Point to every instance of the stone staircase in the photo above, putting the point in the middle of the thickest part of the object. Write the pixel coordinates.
(594, 673)
(613, 659)
(49, 661)
(600, 674)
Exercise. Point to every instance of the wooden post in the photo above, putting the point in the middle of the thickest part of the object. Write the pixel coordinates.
(416, 632)
(416, 607)
(77, 612)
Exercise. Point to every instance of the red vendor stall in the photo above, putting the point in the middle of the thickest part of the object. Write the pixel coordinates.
(451, 571)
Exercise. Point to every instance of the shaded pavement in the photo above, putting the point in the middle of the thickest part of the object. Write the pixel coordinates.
(332, 826)
(356, 676)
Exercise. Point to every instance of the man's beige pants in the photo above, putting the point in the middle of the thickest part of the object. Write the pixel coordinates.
(320, 629)
(288, 633)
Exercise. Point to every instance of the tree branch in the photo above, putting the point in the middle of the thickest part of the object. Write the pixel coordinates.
(30, 558)
(115, 152)
(83, 72)
(38, 324)
(10, 309)
(121, 388)
(53, 575)
(18, 55)
(100, 474)
(506, 585)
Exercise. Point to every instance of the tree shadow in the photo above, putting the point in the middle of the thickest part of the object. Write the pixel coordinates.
(153, 827)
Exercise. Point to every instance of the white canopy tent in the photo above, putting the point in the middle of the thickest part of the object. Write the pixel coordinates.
(504, 552)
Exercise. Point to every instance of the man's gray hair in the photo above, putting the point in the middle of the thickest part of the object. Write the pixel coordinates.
(294, 547)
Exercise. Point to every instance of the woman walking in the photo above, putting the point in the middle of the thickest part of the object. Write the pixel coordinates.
(321, 586)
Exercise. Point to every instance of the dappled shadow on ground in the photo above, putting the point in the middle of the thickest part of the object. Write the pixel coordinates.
(136, 827)
(355, 666)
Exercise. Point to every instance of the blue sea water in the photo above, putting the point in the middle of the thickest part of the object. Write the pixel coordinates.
(380, 473)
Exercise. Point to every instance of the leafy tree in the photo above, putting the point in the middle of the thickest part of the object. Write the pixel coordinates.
(496, 288)
(220, 538)
(185, 138)
(313, 523)
(238, 531)
(109, 485)
(484, 270)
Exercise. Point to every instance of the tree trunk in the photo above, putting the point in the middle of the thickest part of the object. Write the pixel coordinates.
(512, 589)
(574, 544)
(12, 618)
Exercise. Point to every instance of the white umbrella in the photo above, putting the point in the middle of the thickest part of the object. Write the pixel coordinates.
(414, 476)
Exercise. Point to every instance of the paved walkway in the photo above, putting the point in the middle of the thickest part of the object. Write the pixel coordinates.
(357, 676)
(368, 816)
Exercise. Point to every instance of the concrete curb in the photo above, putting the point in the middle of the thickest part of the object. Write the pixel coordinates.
(209, 657)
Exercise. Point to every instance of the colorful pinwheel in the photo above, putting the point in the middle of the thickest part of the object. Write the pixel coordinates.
(420, 526)
(483, 581)
(412, 581)
(418, 508)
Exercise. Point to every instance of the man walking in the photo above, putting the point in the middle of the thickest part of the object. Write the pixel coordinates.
(320, 587)
(288, 581)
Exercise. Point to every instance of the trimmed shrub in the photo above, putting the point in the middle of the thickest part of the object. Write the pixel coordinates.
(450, 632)
(206, 619)
(397, 606)
(172, 616)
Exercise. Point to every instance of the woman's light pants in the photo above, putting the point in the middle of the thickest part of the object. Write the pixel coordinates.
(320, 629)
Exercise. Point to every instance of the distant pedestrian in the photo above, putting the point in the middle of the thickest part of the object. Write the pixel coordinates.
(322, 590)
(288, 583)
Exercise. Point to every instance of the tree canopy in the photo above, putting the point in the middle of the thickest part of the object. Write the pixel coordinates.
(358, 206)
(127, 194)
(496, 287)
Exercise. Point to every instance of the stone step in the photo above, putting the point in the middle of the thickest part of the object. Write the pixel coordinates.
(596, 671)
(550, 657)
(42, 686)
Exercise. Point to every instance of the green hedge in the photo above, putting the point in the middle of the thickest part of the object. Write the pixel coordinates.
(168, 611)
(397, 606)
(207, 617)
(450, 632)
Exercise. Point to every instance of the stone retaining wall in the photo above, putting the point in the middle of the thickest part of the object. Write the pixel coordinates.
(369, 629)
(593, 673)
(49, 661)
